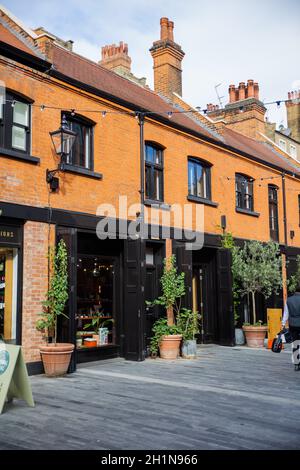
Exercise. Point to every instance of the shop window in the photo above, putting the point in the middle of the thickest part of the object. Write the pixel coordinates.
(244, 192)
(273, 212)
(154, 172)
(95, 302)
(15, 124)
(199, 178)
(8, 293)
(81, 154)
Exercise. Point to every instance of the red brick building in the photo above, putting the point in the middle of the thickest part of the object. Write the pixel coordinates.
(126, 133)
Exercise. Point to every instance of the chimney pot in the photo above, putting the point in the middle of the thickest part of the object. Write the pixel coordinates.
(171, 30)
(250, 88)
(231, 93)
(256, 90)
(242, 91)
(164, 28)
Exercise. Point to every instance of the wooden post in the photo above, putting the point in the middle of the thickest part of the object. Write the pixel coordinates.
(8, 295)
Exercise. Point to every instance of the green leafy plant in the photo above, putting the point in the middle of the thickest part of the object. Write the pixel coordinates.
(227, 241)
(98, 322)
(57, 295)
(258, 269)
(294, 280)
(173, 289)
(161, 328)
(188, 323)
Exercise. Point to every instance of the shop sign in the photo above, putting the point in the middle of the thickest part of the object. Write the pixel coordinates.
(14, 381)
(9, 234)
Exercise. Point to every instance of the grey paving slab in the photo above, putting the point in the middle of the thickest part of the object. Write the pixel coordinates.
(228, 398)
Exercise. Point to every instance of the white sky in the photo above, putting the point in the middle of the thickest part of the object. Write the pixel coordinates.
(225, 41)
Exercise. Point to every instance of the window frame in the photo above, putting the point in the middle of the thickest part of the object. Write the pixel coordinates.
(7, 123)
(207, 167)
(282, 144)
(274, 232)
(293, 153)
(88, 123)
(154, 167)
(241, 196)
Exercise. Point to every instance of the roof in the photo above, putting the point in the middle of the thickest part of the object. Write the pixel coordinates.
(87, 72)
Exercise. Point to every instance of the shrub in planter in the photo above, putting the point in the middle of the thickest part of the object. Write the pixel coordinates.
(188, 324)
(55, 356)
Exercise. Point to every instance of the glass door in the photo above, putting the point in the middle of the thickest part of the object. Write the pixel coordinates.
(8, 293)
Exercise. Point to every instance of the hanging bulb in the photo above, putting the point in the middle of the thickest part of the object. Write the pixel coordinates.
(170, 114)
(137, 115)
(42, 107)
(73, 112)
(278, 104)
(103, 114)
(13, 103)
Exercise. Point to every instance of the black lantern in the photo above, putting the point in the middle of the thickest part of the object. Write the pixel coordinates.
(63, 140)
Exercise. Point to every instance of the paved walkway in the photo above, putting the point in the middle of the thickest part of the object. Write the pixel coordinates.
(229, 398)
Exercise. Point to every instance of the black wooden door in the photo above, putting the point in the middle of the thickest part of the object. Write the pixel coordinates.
(134, 299)
(205, 287)
(184, 263)
(224, 298)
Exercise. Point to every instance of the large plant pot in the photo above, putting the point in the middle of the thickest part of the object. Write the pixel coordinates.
(189, 349)
(169, 346)
(56, 358)
(255, 335)
(239, 337)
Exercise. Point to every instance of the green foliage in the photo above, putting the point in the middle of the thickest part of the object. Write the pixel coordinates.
(227, 241)
(294, 280)
(188, 323)
(57, 294)
(160, 329)
(98, 322)
(258, 269)
(173, 287)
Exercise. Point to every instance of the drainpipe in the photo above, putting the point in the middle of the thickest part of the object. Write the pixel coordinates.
(284, 208)
(141, 118)
(141, 121)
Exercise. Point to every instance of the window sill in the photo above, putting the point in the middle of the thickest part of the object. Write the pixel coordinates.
(202, 200)
(82, 171)
(247, 212)
(157, 204)
(18, 156)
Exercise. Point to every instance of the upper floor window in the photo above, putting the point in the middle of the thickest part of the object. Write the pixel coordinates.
(244, 192)
(282, 144)
(154, 172)
(199, 178)
(15, 124)
(293, 151)
(81, 154)
(273, 212)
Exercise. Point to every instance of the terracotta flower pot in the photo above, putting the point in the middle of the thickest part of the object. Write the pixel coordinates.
(169, 346)
(56, 358)
(255, 335)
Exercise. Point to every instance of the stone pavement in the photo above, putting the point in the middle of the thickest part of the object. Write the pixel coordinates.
(228, 398)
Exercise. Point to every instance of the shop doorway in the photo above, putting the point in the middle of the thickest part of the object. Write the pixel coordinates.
(8, 294)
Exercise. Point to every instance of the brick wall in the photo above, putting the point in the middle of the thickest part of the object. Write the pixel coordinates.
(35, 284)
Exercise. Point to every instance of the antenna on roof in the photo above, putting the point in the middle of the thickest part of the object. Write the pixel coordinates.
(218, 96)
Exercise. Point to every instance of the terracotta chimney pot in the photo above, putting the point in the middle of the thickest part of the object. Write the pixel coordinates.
(250, 89)
(164, 29)
(231, 93)
(242, 94)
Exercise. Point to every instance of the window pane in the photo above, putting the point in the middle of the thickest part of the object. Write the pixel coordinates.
(8, 293)
(87, 147)
(20, 113)
(18, 138)
(150, 154)
(81, 150)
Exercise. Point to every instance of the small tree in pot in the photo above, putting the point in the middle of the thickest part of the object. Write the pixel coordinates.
(259, 270)
(56, 356)
(167, 334)
(188, 324)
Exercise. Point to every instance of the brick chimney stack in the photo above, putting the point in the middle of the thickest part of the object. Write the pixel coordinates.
(244, 113)
(116, 58)
(167, 57)
(293, 114)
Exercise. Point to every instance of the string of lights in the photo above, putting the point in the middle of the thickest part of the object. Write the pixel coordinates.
(196, 110)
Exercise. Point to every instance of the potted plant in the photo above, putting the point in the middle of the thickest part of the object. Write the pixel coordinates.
(166, 333)
(55, 356)
(259, 270)
(98, 325)
(188, 324)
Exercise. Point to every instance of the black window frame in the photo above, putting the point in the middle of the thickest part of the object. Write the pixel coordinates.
(273, 220)
(151, 169)
(206, 166)
(244, 199)
(7, 123)
(84, 122)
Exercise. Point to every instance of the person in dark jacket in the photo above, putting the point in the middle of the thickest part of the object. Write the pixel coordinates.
(292, 315)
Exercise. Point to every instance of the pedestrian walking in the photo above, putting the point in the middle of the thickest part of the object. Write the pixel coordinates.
(291, 314)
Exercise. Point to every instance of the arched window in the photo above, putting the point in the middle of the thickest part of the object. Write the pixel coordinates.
(81, 154)
(154, 172)
(199, 179)
(273, 212)
(15, 123)
(244, 192)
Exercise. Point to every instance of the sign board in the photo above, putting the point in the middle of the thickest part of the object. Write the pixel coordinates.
(14, 381)
(274, 316)
(10, 235)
